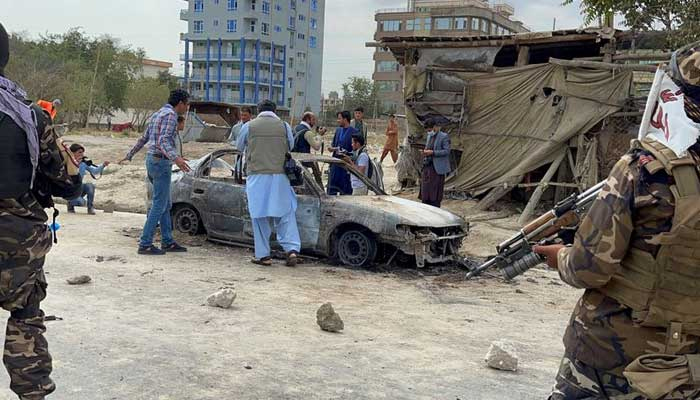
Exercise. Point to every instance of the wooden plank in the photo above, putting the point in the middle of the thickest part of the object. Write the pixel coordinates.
(523, 56)
(541, 187)
(643, 57)
(602, 65)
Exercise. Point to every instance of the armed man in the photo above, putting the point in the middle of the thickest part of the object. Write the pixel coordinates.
(635, 333)
(31, 170)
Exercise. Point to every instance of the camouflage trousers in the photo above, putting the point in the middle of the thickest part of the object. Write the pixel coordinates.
(576, 380)
(24, 243)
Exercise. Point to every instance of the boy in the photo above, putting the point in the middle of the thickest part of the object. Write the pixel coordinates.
(361, 163)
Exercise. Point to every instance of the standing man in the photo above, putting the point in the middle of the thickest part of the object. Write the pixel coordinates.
(161, 136)
(271, 199)
(338, 177)
(358, 122)
(360, 160)
(24, 237)
(305, 137)
(636, 255)
(246, 116)
(436, 165)
(392, 140)
(86, 166)
(109, 123)
(50, 107)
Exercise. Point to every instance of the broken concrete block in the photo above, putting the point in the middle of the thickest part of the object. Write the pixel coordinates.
(223, 298)
(502, 355)
(79, 280)
(328, 319)
(108, 207)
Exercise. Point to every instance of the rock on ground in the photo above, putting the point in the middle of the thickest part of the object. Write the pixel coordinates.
(223, 298)
(108, 207)
(328, 319)
(502, 355)
(79, 280)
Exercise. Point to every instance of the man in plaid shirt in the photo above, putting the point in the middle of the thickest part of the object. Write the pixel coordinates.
(161, 136)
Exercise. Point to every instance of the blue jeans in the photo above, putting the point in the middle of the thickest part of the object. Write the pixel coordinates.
(159, 173)
(89, 191)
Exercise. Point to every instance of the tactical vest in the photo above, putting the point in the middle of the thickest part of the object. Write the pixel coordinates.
(301, 145)
(664, 291)
(267, 146)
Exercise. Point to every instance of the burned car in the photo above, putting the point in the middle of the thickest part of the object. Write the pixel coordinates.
(354, 230)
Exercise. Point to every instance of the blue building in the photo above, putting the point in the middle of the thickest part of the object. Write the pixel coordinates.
(245, 51)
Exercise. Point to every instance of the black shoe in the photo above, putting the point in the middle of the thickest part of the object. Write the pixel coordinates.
(150, 251)
(71, 210)
(174, 248)
(91, 211)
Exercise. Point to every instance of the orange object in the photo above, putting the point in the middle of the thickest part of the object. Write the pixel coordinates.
(48, 107)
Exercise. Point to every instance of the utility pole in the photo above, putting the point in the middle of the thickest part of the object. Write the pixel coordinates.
(554, 24)
(92, 86)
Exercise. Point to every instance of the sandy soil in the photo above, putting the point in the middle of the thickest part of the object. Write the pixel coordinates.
(140, 329)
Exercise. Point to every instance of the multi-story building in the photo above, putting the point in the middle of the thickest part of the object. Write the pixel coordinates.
(245, 51)
(434, 18)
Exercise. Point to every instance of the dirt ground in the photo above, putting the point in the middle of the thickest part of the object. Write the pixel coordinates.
(140, 329)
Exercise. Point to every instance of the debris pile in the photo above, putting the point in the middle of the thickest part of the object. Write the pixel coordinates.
(328, 319)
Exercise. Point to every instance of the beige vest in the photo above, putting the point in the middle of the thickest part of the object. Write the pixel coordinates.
(664, 291)
(267, 146)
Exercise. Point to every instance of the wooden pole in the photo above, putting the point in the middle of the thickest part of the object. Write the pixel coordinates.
(603, 65)
(537, 195)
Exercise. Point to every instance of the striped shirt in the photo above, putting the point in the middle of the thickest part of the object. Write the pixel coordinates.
(161, 135)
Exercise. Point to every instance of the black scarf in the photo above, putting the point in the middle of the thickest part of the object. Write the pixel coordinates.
(4, 50)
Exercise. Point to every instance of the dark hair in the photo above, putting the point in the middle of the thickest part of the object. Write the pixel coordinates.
(345, 115)
(392, 116)
(180, 118)
(429, 123)
(359, 139)
(247, 109)
(360, 109)
(307, 116)
(76, 147)
(267, 105)
(178, 96)
(4, 50)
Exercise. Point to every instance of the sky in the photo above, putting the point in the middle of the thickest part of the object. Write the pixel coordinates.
(155, 26)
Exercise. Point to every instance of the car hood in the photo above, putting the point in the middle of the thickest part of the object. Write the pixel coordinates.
(408, 212)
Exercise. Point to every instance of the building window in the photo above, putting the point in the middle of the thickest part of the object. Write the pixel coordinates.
(293, 4)
(291, 83)
(461, 23)
(232, 5)
(494, 29)
(302, 17)
(291, 40)
(216, 22)
(484, 26)
(391, 26)
(231, 25)
(266, 7)
(413, 24)
(300, 94)
(278, 28)
(278, 7)
(301, 36)
(313, 43)
(216, 1)
(388, 86)
(301, 74)
(427, 24)
(198, 27)
(313, 22)
(443, 23)
(198, 5)
(265, 28)
(387, 66)
(292, 22)
(252, 5)
(251, 27)
(314, 5)
(475, 24)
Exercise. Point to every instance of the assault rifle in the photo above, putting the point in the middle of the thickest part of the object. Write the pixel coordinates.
(516, 256)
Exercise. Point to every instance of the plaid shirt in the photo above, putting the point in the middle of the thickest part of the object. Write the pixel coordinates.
(160, 135)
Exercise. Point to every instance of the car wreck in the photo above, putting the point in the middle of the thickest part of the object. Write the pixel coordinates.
(357, 231)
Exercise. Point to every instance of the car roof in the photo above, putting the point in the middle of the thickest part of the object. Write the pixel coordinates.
(297, 156)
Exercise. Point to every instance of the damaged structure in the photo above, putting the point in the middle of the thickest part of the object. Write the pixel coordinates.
(525, 112)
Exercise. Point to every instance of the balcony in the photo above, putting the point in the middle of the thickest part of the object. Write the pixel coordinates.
(184, 15)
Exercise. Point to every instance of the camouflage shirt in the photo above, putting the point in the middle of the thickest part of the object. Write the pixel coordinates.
(633, 207)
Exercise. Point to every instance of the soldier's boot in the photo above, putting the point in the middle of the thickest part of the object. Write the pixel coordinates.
(26, 356)
(71, 209)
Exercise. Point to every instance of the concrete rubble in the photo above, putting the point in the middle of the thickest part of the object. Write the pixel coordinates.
(502, 356)
(223, 298)
(328, 319)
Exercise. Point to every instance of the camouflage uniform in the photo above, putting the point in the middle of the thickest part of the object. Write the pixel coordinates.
(602, 338)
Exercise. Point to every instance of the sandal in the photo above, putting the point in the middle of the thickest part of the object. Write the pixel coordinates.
(265, 261)
(292, 259)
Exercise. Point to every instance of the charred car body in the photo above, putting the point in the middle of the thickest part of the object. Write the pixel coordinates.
(355, 230)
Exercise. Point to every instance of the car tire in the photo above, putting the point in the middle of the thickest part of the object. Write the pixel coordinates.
(356, 248)
(186, 220)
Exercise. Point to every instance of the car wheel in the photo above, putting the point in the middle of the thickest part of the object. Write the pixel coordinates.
(356, 248)
(186, 220)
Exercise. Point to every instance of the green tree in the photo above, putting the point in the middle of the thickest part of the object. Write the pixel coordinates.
(144, 97)
(361, 92)
(679, 19)
(168, 79)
